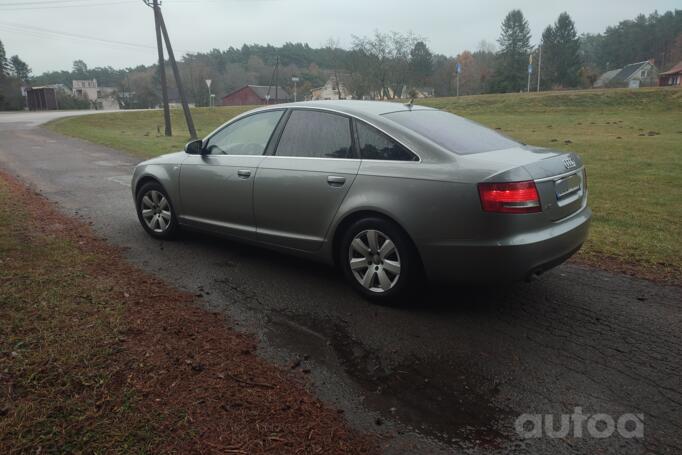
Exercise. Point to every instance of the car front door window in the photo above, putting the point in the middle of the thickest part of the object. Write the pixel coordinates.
(248, 136)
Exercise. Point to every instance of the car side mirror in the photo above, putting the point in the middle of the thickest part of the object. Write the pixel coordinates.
(195, 147)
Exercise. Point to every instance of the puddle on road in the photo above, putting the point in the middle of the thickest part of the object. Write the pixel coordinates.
(106, 163)
(448, 402)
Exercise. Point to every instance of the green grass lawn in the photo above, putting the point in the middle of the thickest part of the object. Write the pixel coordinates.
(141, 132)
(631, 141)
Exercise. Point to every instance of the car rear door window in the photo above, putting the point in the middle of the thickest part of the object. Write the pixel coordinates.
(248, 136)
(316, 134)
(454, 133)
(375, 145)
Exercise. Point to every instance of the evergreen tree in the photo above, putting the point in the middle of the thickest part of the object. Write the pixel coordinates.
(4, 66)
(80, 70)
(421, 62)
(512, 59)
(561, 53)
(21, 70)
(548, 71)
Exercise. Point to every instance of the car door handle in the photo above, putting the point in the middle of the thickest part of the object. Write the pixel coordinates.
(244, 173)
(335, 180)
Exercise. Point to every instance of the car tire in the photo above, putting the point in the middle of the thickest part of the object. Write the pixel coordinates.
(156, 212)
(383, 272)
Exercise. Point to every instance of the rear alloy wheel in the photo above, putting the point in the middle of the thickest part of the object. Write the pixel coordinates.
(155, 211)
(374, 261)
(378, 259)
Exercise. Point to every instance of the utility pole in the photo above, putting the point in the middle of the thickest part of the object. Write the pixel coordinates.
(338, 84)
(161, 30)
(275, 77)
(176, 75)
(539, 66)
(458, 70)
(162, 71)
(277, 81)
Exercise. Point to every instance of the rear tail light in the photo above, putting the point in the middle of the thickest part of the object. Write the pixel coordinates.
(513, 197)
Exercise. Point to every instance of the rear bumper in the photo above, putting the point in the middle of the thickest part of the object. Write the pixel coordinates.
(511, 259)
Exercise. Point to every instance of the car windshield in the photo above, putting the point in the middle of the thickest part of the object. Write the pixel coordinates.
(455, 133)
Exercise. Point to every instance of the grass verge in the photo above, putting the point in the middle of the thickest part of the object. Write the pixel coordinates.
(631, 141)
(141, 132)
(98, 357)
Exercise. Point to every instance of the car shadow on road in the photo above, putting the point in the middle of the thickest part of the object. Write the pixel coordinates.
(319, 280)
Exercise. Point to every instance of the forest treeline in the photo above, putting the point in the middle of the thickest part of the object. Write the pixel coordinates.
(380, 65)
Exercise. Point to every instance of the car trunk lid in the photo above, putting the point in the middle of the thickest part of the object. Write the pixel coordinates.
(559, 176)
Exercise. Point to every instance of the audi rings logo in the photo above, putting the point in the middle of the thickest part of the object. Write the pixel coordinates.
(569, 163)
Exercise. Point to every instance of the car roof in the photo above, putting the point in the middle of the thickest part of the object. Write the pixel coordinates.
(361, 108)
(373, 113)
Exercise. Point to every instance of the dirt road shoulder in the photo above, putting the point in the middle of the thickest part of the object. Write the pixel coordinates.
(98, 356)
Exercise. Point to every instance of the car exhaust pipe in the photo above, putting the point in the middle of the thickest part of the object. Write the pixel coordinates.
(534, 275)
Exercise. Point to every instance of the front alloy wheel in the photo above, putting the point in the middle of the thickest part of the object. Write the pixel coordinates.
(155, 211)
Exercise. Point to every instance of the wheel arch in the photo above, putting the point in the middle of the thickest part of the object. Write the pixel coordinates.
(144, 180)
(351, 218)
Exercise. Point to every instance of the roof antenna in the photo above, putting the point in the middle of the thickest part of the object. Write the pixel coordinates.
(410, 104)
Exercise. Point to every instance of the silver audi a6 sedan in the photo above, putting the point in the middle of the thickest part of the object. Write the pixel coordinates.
(388, 192)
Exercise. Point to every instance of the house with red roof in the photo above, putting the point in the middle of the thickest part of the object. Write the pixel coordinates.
(671, 77)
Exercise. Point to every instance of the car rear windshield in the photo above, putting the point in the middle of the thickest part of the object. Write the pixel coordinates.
(455, 133)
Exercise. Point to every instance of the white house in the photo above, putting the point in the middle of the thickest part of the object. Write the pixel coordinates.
(100, 97)
(331, 91)
(634, 75)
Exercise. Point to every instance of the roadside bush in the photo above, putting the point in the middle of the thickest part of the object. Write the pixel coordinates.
(66, 101)
(10, 94)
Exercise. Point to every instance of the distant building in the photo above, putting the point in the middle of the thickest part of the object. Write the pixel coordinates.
(42, 98)
(256, 94)
(86, 89)
(174, 100)
(671, 77)
(605, 78)
(634, 75)
(100, 97)
(331, 90)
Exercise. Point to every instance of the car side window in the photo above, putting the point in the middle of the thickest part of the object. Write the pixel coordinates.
(375, 145)
(316, 134)
(248, 136)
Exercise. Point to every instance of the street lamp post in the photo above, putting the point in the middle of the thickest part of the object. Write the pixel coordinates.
(295, 81)
(530, 70)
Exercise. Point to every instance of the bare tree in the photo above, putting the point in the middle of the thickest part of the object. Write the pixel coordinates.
(386, 59)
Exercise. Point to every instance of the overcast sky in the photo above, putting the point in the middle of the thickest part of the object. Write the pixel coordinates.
(449, 26)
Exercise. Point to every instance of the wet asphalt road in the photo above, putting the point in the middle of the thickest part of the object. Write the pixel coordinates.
(449, 374)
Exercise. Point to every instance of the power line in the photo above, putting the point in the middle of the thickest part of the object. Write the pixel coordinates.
(88, 5)
(51, 2)
(30, 28)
